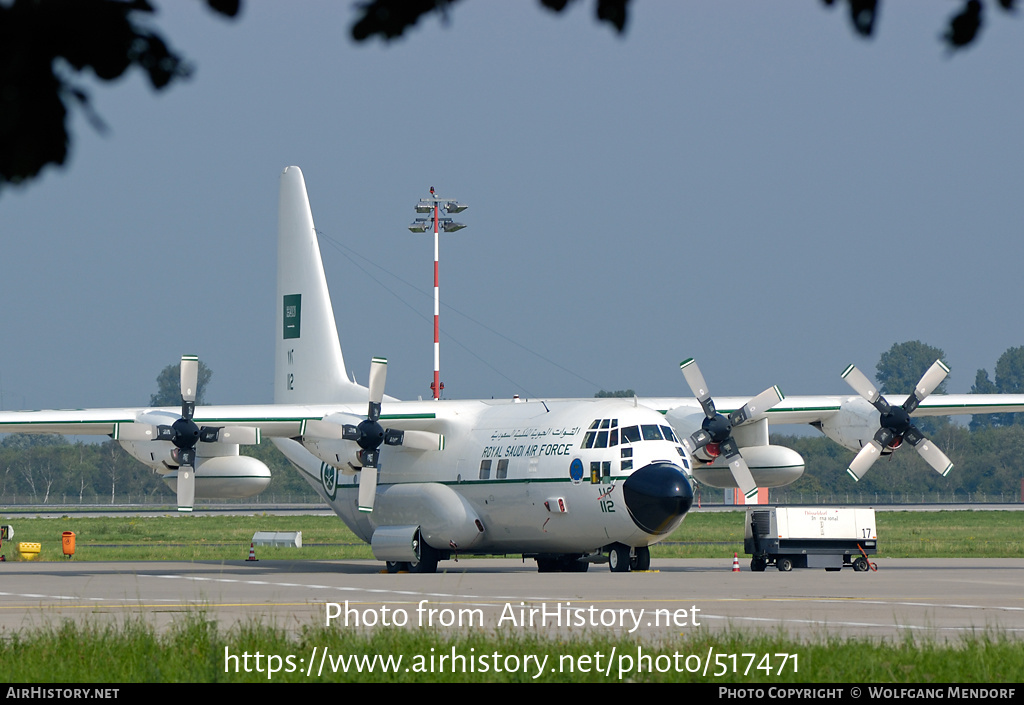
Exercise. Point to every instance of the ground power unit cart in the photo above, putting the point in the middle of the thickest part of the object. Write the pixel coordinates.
(810, 537)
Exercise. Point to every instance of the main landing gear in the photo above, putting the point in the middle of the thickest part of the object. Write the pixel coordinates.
(427, 563)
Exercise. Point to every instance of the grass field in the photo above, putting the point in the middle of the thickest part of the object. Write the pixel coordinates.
(196, 651)
(981, 534)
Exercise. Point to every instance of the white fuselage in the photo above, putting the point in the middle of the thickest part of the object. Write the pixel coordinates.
(514, 477)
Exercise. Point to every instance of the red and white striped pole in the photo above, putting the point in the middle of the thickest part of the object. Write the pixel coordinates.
(436, 386)
(437, 206)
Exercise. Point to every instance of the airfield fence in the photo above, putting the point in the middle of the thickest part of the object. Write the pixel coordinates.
(782, 496)
(10, 500)
(777, 496)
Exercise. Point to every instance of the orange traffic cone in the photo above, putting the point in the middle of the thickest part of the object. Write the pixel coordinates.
(735, 563)
(252, 553)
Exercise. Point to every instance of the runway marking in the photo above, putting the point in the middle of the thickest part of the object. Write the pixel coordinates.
(68, 602)
(38, 596)
(782, 621)
(345, 588)
(477, 600)
(885, 625)
(842, 600)
(1004, 608)
(175, 605)
(873, 625)
(165, 607)
(492, 599)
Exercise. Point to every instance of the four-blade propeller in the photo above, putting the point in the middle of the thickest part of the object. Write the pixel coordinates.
(184, 434)
(894, 421)
(368, 435)
(715, 434)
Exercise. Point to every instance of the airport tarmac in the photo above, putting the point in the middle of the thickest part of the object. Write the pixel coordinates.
(940, 599)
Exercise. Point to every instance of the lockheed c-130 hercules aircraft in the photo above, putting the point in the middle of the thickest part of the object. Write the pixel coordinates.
(567, 482)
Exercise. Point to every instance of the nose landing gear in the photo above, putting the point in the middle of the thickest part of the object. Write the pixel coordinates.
(623, 558)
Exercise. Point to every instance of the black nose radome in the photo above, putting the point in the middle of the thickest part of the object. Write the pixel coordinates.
(657, 496)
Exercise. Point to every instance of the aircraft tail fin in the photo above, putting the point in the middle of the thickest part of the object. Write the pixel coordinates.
(308, 364)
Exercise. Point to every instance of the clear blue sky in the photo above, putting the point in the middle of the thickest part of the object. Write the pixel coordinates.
(749, 184)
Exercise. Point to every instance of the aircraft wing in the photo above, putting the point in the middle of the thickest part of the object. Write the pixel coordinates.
(286, 420)
(273, 420)
(820, 408)
(957, 404)
(74, 422)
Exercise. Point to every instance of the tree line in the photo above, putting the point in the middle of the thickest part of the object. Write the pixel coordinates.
(52, 470)
(987, 456)
(987, 462)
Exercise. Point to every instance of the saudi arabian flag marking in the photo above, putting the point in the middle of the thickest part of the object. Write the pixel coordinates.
(292, 315)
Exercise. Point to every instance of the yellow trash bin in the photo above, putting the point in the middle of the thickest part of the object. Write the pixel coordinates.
(68, 541)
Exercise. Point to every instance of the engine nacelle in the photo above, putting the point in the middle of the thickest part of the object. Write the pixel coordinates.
(329, 446)
(854, 425)
(771, 466)
(343, 455)
(226, 477)
(153, 454)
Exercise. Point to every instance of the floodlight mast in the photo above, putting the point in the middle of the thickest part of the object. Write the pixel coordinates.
(437, 205)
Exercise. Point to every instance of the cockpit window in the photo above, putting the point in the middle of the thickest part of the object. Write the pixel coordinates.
(610, 435)
(651, 432)
(682, 457)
